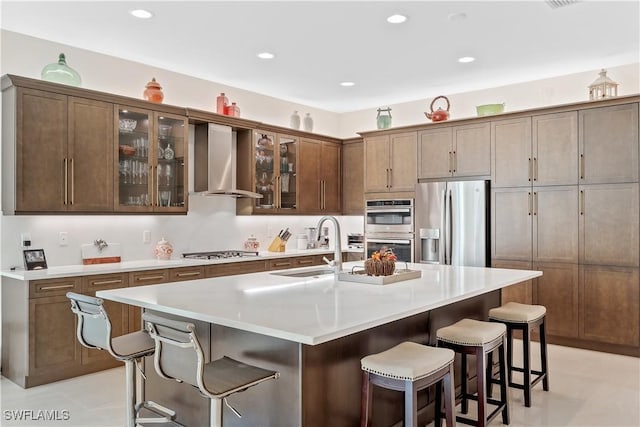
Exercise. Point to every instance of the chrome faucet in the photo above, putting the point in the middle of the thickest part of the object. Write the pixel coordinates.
(336, 264)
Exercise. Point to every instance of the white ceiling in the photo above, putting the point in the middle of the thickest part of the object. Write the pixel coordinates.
(320, 44)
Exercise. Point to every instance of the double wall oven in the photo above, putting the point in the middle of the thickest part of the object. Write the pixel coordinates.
(390, 224)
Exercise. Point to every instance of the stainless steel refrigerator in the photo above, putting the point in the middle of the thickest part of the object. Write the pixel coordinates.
(451, 220)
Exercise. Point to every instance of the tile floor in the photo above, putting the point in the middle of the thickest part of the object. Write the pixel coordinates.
(587, 389)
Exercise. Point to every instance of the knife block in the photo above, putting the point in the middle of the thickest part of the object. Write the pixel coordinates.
(277, 245)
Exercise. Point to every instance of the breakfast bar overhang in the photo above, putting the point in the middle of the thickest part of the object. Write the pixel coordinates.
(314, 331)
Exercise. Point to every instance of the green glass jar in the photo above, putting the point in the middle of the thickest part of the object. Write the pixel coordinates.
(60, 72)
(383, 120)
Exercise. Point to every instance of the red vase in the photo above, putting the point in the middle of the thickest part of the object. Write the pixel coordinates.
(153, 92)
(221, 104)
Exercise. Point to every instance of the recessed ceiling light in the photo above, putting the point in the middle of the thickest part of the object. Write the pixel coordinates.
(466, 59)
(141, 13)
(347, 84)
(396, 19)
(266, 55)
(459, 16)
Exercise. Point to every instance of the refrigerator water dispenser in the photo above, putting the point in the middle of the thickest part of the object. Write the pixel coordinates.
(430, 245)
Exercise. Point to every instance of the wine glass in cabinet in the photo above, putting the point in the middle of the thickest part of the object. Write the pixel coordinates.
(151, 174)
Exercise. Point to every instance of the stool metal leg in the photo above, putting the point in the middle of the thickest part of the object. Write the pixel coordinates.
(543, 357)
(215, 419)
(130, 392)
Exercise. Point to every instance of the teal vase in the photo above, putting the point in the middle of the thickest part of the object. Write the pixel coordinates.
(60, 72)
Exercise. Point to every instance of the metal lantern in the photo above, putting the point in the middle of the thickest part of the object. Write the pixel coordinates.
(603, 87)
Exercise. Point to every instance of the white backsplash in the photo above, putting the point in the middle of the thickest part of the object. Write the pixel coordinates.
(211, 224)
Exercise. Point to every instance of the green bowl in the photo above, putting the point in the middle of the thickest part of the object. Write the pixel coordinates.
(489, 109)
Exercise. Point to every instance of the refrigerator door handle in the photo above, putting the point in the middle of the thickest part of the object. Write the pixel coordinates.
(450, 229)
(443, 226)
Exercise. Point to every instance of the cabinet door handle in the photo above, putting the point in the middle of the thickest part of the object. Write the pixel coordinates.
(320, 194)
(581, 202)
(529, 171)
(150, 174)
(106, 282)
(145, 278)
(535, 203)
(51, 288)
(535, 168)
(529, 203)
(387, 177)
(581, 166)
(324, 194)
(189, 274)
(391, 178)
(450, 162)
(72, 180)
(157, 186)
(281, 264)
(66, 180)
(455, 162)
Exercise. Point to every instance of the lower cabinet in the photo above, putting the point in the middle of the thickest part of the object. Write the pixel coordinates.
(557, 290)
(610, 308)
(144, 278)
(52, 328)
(521, 292)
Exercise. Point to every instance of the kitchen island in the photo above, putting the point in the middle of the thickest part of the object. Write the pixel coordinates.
(314, 330)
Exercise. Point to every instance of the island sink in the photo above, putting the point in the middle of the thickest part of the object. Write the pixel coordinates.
(307, 273)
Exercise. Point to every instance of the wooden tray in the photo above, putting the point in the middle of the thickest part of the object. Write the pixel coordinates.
(361, 277)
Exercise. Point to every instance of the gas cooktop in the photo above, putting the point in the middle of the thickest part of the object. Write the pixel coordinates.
(219, 254)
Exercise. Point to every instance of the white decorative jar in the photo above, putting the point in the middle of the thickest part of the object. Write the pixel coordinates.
(294, 121)
(308, 123)
(163, 250)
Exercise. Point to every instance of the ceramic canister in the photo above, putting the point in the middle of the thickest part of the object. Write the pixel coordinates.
(163, 250)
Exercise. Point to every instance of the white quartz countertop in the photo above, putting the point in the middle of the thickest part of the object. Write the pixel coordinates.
(317, 309)
(57, 272)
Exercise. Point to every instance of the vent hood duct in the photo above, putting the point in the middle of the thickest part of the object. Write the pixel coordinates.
(214, 162)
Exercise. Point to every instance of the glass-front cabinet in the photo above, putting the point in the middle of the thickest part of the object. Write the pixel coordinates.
(274, 174)
(152, 150)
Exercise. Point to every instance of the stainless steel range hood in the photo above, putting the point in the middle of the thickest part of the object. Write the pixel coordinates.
(214, 162)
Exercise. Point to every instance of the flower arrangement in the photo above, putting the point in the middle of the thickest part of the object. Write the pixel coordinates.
(381, 263)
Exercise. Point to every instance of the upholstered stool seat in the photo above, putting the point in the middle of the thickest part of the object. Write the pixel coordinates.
(478, 338)
(524, 317)
(408, 367)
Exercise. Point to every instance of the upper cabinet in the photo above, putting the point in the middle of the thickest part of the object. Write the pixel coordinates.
(555, 149)
(353, 178)
(151, 151)
(609, 144)
(70, 150)
(458, 151)
(319, 176)
(57, 153)
(511, 148)
(390, 163)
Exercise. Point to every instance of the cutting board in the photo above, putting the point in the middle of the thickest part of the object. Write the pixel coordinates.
(92, 255)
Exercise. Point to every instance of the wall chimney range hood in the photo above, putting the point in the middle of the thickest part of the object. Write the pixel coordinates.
(214, 162)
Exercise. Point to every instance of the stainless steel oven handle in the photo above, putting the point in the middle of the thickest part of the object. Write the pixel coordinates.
(396, 241)
(390, 210)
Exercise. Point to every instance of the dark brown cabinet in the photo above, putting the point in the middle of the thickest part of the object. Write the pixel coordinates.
(353, 178)
(557, 289)
(390, 163)
(319, 176)
(63, 160)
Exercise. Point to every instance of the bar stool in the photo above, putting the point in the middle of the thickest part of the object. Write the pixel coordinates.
(409, 367)
(94, 331)
(179, 356)
(524, 317)
(478, 338)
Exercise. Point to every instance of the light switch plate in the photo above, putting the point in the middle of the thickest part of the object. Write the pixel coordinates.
(63, 238)
(146, 236)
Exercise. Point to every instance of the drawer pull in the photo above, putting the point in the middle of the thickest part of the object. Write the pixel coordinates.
(51, 288)
(149, 278)
(281, 264)
(192, 273)
(305, 261)
(107, 282)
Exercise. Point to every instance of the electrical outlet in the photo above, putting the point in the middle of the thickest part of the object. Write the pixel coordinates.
(63, 238)
(25, 240)
(146, 236)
